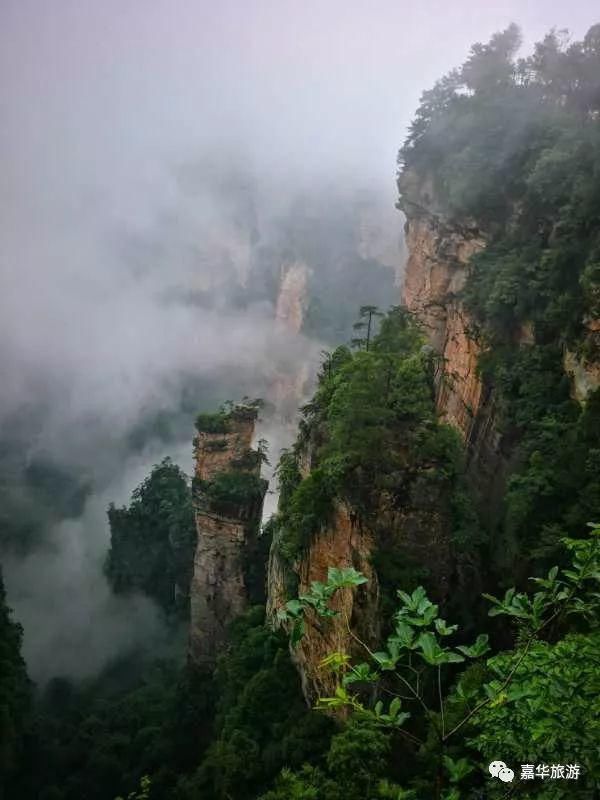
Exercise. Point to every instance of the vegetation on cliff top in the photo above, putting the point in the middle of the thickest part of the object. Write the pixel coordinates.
(369, 430)
(375, 445)
(221, 421)
(514, 145)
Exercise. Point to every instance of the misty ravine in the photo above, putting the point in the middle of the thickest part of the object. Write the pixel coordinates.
(299, 477)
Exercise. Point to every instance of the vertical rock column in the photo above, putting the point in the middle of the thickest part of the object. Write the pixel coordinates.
(436, 271)
(228, 498)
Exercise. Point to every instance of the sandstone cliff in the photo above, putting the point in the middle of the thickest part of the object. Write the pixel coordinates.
(439, 253)
(343, 543)
(228, 498)
(415, 532)
(396, 538)
(436, 270)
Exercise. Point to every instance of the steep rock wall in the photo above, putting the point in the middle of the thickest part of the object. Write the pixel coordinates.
(343, 543)
(218, 592)
(439, 252)
(436, 272)
(215, 452)
(416, 533)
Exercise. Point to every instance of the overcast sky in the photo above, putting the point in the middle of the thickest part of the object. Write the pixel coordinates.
(98, 94)
(101, 101)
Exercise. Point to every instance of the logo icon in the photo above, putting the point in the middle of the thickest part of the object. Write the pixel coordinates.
(498, 769)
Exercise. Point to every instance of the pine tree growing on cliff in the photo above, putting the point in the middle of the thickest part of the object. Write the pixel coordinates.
(367, 316)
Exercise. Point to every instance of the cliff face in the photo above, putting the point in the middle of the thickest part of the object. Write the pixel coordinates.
(411, 534)
(398, 538)
(439, 252)
(226, 575)
(436, 271)
(343, 543)
(215, 452)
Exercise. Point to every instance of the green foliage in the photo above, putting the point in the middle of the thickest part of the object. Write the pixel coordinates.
(371, 430)
(551, 712)
(520, 706)
(231, 491)
(153, 540)
(213, 422)
(262, 722)
(306, 784)
(144, 791)
(355, 768)
(220, 421)
(514, 145)
(252, 459)
(108, 736)
(309, 509)
(368, 316)
(178, 734)
(288, 475)
(15, 696)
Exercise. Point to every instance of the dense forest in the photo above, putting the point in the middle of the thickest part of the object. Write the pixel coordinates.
(487, 645)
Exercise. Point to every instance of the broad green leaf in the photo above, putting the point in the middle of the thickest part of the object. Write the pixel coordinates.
(479, 648)
(443, 629)
(395, 706)
(294, 607)
(429, 647)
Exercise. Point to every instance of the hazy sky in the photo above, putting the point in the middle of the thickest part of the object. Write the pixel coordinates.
(98, 95)
(100, 103)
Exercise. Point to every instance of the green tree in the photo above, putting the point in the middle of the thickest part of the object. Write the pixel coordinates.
(367, 316)
(15, 697)
(153, 540)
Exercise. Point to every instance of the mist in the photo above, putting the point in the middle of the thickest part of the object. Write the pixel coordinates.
(156, 159)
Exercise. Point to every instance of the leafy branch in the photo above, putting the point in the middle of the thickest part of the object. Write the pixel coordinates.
(420, 632)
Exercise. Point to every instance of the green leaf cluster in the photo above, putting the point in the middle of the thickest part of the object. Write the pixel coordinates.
(152, 540)
(230, 492)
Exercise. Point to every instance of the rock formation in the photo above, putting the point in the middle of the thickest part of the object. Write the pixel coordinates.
(228, 498)
(439, 252)
(344, 543)
(418, 532)
(436, 271)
